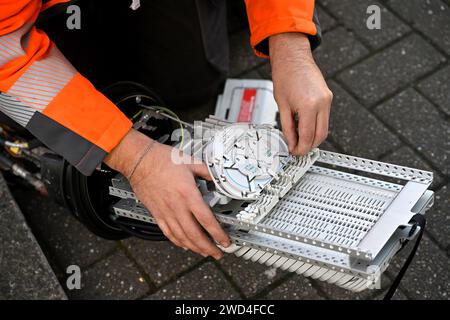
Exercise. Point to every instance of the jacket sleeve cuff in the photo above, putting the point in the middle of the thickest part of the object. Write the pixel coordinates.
(261, 32)
(89, 125)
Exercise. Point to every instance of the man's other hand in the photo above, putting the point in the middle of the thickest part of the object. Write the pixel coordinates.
(299, 88)
(169, 191)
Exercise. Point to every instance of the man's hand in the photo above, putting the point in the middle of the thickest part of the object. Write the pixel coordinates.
(170, 193)
(299, 88)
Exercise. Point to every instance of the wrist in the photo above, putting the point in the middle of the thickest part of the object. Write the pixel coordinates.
(125, 155)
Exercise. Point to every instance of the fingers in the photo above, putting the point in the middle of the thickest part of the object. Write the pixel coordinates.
(207, 220)
(168, 233)
(201, 170)
(196, 234)
(321, 128)
(184, 232)
(288, 127)
(306, 130)
(178, 231)
(178, 222)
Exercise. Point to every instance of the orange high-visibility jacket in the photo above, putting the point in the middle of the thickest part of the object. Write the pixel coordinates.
(43, 92)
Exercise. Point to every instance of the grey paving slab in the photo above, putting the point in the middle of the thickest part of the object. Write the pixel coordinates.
(438, 217)
(432, 17)
(381, 293)
(352, 126)
(242, 57)
(398, 295)
(437, 88)
(66, 239)
(416, 119)
(162, 261)
(404, 156)
(339, 49)
(205, 282)
(391, 69)
(332, 292)
(112, 278)
(327, 22)
(428, 276)
(353, 14)
(328, 146)
(249, 276)
(24, 270)
(295, 288)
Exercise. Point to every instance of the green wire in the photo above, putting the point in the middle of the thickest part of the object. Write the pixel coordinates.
(136, 115)
(173, 114)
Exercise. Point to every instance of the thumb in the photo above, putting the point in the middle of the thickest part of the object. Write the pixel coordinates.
(201, 170)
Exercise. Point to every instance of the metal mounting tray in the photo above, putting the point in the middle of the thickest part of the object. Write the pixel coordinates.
(332, 225)
(336, 224)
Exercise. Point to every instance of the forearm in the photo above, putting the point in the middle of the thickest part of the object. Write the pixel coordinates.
(124, 155)
(292, 46)
(299, 88)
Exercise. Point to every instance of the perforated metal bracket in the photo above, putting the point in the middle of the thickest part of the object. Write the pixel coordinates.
(377, 167)
(274, 231)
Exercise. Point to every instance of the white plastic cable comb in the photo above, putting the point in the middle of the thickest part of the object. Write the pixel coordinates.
(322, 216)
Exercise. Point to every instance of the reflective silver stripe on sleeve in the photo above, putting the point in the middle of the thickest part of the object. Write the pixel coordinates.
(15, 109)
(43, 80)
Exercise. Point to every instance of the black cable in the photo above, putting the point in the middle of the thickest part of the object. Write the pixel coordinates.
(140, 229)
(138, 233)
(121, 84)
(418, 220)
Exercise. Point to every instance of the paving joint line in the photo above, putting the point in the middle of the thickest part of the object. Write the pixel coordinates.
(230, 280)
(335, 144)
(392, 130)
(371, 54)
(423, 35)
(319, 290)
(433, 239)
(387, 153)
(269, 288)
(436, 106)
(440, 185)
(341, 24)
(179, 275)
(151, 285)
(105, 256)
(411, 85)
